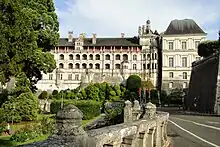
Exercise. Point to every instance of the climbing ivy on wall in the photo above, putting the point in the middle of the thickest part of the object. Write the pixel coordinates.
(208, 48)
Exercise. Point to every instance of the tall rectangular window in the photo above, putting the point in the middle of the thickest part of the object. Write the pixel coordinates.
(184, 45)
(69, 76)
(170, 74)
(185, 75)
(50, 76)
(184, 62)
(197, 44)
(170, 45)
(134, 66)
(77, 77)
(171, 64)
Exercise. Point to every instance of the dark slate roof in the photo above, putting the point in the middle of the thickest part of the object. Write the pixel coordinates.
(185, 26)
(132, 41)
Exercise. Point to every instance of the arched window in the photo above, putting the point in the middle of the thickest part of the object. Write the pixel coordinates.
(155, 55)
(84, 57)
(97, 57)
(90, 65)
(77, 57)
(184, 85)
(97, 66)
(61, 57)
(107, 66)
(107, 57)
(84, 65)
(70, 66)
(125, 57)
(148, 57)
(77, 66)
(71, 57)
(61, 65)
(117, 66)
(117, 57)
(90, 57)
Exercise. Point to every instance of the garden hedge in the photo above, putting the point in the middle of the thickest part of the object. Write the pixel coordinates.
(89, 108)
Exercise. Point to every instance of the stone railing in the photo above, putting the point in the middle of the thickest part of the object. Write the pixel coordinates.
(149, 131)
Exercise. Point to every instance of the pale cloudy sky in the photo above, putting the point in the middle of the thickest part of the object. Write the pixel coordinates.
(111, 17)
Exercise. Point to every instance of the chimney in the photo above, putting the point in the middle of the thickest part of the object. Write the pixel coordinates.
(93, 38)
(70, 37)
(139, 31)
(122, 35)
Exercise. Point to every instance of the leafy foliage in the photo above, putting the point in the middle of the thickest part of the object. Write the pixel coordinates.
(28, 30)
(43, 95)
(208, 48)
(133, 83)
(24, 107)
(89, 108)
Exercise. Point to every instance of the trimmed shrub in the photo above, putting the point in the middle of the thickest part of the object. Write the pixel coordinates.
(89, 108)
(133, 83)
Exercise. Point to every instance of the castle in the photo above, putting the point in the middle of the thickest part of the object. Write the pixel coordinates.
(82, 60)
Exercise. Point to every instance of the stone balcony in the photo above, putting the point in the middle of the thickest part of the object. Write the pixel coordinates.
(149, 131)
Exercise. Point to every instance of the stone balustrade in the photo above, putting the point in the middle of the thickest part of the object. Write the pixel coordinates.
(148, 131)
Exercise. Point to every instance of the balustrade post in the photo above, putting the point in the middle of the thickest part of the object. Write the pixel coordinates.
(127, 141)
(150, 111)
(141, 137)
(162, 134)
(149, 141)
(165, 130)
(113, 144)
(128, 111)
(136, 111)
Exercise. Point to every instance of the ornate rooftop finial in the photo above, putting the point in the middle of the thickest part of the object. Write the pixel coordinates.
(148, 21)
(148, 27)
(70, 37)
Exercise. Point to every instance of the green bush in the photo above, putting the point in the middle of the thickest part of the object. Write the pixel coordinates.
(55, 92)
(2, 127)
(26, 133)
(24, 107)
(133, 83)
(89, 108)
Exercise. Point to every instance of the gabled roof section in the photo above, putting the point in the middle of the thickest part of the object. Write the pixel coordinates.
(184, 26)
(128, 41)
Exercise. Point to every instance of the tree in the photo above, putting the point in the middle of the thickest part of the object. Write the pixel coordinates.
(28, 29)
(133, 83)
(208, 48)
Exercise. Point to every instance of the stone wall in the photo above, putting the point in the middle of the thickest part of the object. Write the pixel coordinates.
(134, 132)
(202, 87)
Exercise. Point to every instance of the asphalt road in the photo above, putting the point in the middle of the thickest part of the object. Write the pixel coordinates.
(192, 130)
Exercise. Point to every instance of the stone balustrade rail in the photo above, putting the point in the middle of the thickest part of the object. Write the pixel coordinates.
(141, 128)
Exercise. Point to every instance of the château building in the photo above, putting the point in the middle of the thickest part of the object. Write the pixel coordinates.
(82, 60)
(180, 43)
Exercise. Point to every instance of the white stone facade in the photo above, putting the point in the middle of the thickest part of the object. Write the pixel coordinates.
(179, 51)
(106, 61)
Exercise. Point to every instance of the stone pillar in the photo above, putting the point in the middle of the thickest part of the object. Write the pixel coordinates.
(141, 137)
(128, 111)
(127, 141)
(150, 111)
(136, 111)
(149, 142)
(158, 135)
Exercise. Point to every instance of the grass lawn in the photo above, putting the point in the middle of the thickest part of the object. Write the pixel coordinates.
(6, 142)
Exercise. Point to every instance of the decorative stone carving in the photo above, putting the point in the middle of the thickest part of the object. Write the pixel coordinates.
(150, 111)
(136, 111)
(128, 111)
(69, 132)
